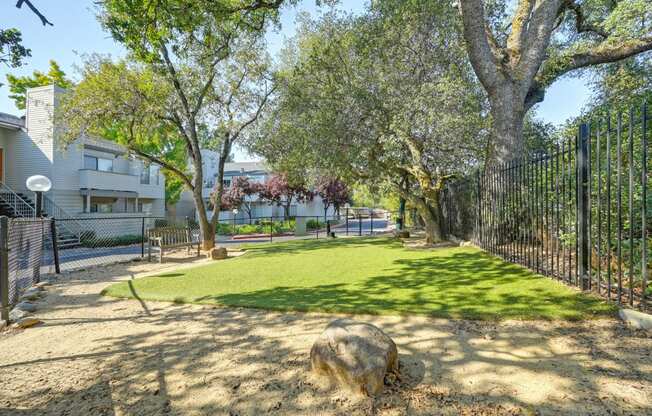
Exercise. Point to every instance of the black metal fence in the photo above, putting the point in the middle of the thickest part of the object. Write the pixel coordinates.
(23, 241)
(577, 212)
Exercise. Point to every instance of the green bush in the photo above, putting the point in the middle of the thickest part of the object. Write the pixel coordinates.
(94, 242)
(313, 224)
(258, 227)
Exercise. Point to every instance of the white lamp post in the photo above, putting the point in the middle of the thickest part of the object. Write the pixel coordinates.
(235, 213)
(38, 184)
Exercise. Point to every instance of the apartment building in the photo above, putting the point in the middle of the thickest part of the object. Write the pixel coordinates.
(255, 172)
(90, 177)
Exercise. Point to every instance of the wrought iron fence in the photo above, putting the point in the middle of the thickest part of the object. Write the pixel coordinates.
(577, 212)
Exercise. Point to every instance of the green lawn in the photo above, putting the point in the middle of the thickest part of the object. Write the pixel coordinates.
(372, 275)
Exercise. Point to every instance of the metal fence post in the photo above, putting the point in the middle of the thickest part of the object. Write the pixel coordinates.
(55, 246)
(582, 206)
(271, 229)
(359, 223)
(142, 238)
(371, 217)
(347, 221)
(4, 268)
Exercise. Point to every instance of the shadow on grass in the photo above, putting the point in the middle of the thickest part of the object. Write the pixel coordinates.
(302, 246)
(457, 286)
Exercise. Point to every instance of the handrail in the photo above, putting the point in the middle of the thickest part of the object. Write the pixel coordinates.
(20, 207)
(70, 224)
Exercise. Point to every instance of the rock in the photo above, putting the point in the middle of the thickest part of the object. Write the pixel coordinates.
(32, 294)
(466, 244)
(17, 314)
(402, 234)
(355, 355)
(26, 307)
(43, 284)
(217, 253)
(27, 322)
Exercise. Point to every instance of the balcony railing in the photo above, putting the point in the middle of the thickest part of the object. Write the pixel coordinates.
(96, 179)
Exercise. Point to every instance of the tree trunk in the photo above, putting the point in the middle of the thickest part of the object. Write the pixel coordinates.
(225, 151)
(206, 228)
(430, 213)
(401, 213)
(507, 110)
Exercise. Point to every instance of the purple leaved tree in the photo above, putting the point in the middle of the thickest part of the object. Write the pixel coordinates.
(333, 192)
(241, 194)
(279, 191)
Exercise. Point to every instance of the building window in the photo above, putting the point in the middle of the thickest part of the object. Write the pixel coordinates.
(226, 183)
(96, 163)
(149, 176)
(101, 208)
(144, 176)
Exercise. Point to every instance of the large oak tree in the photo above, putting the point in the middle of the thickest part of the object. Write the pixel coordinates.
(386, 97)
(517, 56)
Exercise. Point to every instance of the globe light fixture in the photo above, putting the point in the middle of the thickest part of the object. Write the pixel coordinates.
(39, 184)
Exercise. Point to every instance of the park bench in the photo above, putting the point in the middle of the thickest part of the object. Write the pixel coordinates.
(165, 238)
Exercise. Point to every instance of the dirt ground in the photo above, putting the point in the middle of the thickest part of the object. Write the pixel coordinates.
(102, 356)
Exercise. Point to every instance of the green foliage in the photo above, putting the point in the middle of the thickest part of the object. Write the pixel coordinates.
(123, 102)
(18, 85)
(258, 227)
(387, 98)
(375, 196)
(366, 275)
(90, 240)
(12, 51)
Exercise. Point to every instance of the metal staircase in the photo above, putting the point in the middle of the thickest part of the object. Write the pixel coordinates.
(15, 205)
(18, 205)
(69, 230)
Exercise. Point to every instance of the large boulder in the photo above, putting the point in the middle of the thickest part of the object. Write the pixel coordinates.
(355, 355)
(218, 253)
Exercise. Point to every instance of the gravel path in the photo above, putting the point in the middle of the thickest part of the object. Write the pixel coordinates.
(101, 356)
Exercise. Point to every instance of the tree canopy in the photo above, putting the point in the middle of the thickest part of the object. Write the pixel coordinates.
(18, 85)
(196, 78)
(386, 97)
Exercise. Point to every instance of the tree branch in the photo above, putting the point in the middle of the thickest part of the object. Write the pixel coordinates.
(602, 54)
(29, 4)
(475, 35)
(519, 29)
(537, 39)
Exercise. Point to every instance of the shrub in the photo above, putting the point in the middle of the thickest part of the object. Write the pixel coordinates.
(313, 224)
(123, 240)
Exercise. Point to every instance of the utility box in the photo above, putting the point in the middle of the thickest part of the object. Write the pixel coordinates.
(300, 228)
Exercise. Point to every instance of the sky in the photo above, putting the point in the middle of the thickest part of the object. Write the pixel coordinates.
(76, 32)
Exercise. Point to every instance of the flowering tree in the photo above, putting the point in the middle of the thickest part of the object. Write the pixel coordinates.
(240, 193)
(279, 190)
(332, 192)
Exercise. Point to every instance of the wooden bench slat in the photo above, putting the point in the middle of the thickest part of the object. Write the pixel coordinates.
(170, 237)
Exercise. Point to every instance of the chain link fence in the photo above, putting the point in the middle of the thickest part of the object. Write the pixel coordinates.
(24, 244)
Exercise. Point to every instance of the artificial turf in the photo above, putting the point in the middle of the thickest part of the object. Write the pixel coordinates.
(370, 275)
